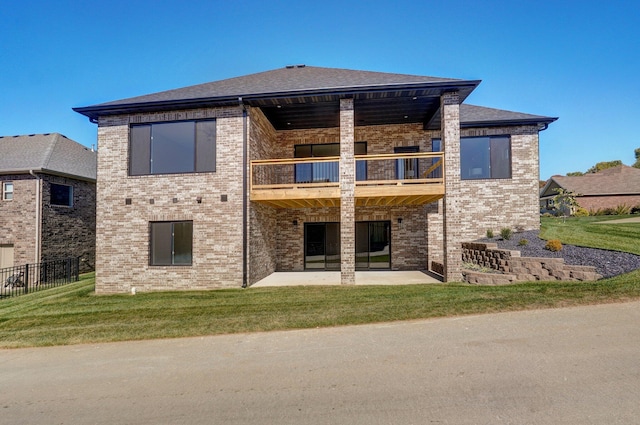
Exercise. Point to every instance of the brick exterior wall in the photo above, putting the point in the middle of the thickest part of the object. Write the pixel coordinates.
(493, 212)
(497, 203)
(435, 234)
(347, 194)
(408, 241)
(64, 231)
(18, 218)
(69, 231)
(263, 243)
(595, 203)
(274, 242)
(122, 250)
(453, 210)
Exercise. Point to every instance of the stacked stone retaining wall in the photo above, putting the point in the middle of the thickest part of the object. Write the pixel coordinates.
(510, 267)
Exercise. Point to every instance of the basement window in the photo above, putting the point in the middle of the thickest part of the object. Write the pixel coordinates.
(171, 243)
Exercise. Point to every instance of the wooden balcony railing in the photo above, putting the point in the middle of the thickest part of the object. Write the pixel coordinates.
(386, 179)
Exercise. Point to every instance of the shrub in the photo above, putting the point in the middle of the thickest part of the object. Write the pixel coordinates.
(581, 212)
(489, 234)
(523, 242)
(505, 232)
(553, 245)
(609, 211)
(635, 210)
(547, 214)
(622, 209)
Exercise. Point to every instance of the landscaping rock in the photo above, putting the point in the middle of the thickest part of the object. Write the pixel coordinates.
(607, 263)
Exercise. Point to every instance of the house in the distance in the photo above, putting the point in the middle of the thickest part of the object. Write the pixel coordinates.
(305, 168)
(606, 189)
(48, 199)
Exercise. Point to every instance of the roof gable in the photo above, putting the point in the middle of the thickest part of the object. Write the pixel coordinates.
(50, 153)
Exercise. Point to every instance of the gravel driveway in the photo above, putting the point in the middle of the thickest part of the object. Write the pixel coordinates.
(607, 263)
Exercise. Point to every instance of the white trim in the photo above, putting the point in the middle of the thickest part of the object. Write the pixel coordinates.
(5, 192)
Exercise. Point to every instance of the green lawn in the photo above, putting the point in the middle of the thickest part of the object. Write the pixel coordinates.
(73, 314)
(592, 232)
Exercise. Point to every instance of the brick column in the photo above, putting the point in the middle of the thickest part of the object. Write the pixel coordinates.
(453, 213)
(347, 192)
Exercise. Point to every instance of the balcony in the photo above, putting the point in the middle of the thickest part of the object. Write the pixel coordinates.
(381, 180)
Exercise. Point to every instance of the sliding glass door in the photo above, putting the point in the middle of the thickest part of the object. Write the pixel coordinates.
(373, 245)
(322, 245)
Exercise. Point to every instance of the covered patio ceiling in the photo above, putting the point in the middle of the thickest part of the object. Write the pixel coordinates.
(400, 106)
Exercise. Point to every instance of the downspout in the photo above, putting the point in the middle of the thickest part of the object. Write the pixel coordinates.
(244, 193)
(38, 247)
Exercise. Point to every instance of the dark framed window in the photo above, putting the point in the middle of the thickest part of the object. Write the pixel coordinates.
(326, 171)
(436, 146)
(485, 157)
(407, 168)
(171, 243)
(172, 148)
(7, 191)
(61, 195)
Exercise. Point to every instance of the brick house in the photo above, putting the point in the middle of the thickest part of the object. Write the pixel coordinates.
(48, 200)
(608, 188)
(304, 168)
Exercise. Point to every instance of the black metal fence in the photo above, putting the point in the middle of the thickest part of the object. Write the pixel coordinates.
(21, 280)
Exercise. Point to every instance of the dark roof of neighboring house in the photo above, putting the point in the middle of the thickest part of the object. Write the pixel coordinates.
(50, 153)
(307, 97)
(620, 180)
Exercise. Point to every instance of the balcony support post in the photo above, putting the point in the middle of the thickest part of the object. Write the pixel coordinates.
(452, 209)
(347, 194)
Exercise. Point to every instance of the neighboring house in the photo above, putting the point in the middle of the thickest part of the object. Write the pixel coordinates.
(304, 168)
(48, 200)
(608, 188)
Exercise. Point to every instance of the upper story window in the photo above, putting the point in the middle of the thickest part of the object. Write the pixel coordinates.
(61, 195)
(172, 147)
(7, 191)
(326, 171)
(407, 168)
(485, 157)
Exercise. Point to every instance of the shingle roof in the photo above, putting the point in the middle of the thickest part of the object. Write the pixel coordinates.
(50, 153)
(471, 115)
(284, 80)
(620, 180)
(304, 91)
(307, 97)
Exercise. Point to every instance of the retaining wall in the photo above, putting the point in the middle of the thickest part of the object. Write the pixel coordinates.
(511, 267)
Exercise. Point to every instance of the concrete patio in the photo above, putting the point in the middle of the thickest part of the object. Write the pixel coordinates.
(333, 278)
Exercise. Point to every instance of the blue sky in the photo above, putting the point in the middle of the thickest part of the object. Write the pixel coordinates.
(576, 60)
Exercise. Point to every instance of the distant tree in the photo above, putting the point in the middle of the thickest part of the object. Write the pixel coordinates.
(637, 153)
(565, 202)
(575, 174)
(604, 165)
